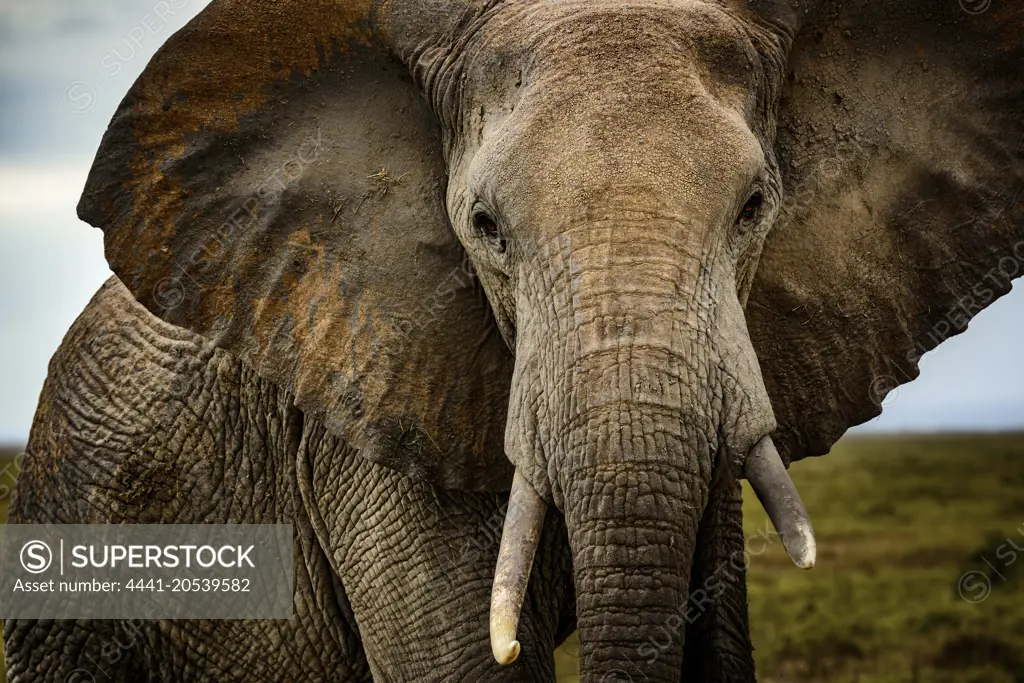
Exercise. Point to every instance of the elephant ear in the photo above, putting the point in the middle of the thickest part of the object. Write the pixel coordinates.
(274, 181)
(901, 143)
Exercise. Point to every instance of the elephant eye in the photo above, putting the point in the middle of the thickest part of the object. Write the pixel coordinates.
(749, 211)
(485, 226)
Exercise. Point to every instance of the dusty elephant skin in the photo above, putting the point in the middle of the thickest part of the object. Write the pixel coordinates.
(378, 262)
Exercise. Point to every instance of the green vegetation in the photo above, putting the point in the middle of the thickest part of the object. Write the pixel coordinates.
(7, 473)
(899, 521)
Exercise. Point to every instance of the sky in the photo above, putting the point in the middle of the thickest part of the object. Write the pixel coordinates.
(65, 65)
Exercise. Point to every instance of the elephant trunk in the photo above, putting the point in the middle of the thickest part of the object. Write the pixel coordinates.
(632, 531)
(634, 377)
(632, 481)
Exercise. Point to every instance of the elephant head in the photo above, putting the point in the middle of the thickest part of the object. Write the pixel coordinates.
(608, 248)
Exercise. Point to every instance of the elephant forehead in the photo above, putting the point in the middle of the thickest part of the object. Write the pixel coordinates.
(650, 101)
(643, 41)
(681, 157)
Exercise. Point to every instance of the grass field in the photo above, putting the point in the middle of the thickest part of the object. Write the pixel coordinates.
(899, 521)
(7, 471)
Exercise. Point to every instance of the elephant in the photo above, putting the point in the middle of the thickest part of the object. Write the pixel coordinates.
(498, 301)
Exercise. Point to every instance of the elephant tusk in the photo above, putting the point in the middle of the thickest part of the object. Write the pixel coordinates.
(770, 481)
(519, 538)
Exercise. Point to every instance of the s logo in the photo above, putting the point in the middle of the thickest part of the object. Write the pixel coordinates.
(36, 557)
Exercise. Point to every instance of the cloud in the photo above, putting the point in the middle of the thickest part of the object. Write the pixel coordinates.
(28, 190)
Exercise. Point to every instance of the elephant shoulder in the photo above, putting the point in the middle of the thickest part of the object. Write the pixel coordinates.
(135, 418)
(115, 376)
